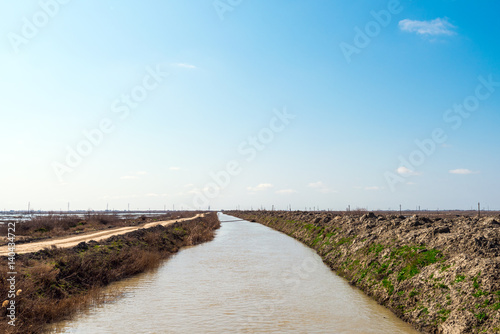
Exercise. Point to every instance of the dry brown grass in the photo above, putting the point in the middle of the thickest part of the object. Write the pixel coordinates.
(57, 283)
(62, 225)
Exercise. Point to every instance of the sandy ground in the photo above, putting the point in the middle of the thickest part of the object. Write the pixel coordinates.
(65, 242)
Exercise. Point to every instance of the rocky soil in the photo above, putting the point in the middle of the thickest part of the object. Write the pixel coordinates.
(442, 275)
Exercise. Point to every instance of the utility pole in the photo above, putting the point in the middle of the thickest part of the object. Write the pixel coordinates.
(478, 210)
(400, 209)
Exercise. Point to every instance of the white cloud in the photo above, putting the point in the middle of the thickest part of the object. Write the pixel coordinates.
(260, 187)
(185, 65)
(194, 191)
(462, 171)
(435, 27)
(129, 177)
(316, 185)
(374, 188)
(286, 191)
(406, 171)
(321, 187)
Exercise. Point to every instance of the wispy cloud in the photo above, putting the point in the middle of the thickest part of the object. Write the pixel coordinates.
(260, 187)
(406, 171)
(321, 187)
(286, 191)
(373, 188)
(185, 65)
(129, 177)
(462, 171)
(439, 26)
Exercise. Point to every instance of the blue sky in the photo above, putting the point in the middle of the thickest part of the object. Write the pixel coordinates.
(249, 103)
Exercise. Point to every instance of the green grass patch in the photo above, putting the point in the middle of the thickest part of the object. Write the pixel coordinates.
(388, 286)
(309, 226)
(444, 268)
(318, 238)
(347, 240)
(475, 283)
(479, 293)
(415, 257)
(376, 248)
(481, 316)
(443, 314)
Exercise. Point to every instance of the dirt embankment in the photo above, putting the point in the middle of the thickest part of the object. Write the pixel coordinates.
(65, 242)
(440, 275)
(55, 283)
(58, 226)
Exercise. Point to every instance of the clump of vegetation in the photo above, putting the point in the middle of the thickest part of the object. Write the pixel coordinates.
(415, 258)
(481, 316)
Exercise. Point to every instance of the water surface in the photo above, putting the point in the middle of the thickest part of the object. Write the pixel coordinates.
(249, 279)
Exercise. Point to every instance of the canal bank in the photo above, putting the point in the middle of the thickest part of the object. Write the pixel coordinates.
(440, 275)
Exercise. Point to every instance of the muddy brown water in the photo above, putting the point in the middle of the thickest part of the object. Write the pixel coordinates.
(249, 279)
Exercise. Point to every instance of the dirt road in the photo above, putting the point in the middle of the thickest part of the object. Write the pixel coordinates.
(72, 241)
